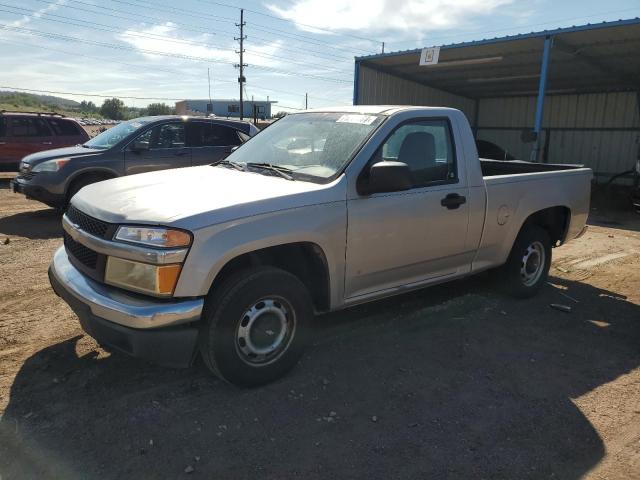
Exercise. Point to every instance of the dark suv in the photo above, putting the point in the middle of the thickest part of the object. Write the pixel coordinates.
(22, 133)
(137, 146)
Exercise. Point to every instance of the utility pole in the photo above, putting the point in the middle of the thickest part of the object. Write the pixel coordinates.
(210, 108)
(306, 101)
(241, 65)
(382, 47)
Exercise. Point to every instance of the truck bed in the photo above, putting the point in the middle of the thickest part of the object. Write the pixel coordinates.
(493, 168)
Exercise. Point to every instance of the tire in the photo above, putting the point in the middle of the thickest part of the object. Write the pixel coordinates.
(255, 326)
(528, 265)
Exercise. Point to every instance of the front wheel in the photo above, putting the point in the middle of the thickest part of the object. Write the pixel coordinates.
(256, 326)
(528, 265)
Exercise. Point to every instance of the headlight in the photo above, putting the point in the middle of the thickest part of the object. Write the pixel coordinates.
(142, 277)
(51, 165)
(154, 237)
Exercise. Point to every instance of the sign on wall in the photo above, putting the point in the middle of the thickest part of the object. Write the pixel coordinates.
(429, 56)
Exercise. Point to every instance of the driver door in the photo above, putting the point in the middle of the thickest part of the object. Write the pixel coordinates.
(159, 148)
(405, 238)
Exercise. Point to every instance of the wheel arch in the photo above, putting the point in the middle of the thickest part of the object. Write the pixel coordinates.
(555, 220)
(306, 260)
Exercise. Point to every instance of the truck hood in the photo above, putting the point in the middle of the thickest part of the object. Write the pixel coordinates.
(67, 152)
(197, 197)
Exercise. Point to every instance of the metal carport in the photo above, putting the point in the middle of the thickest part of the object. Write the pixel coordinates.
(578, 88)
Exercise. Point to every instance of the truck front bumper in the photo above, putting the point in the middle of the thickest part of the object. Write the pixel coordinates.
(156, 330)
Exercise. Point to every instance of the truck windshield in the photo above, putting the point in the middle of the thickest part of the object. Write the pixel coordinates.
(312, 146)
(114, 135)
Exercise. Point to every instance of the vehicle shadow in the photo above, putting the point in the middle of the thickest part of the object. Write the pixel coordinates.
(38, 224)
(612, 208)
(431, 384)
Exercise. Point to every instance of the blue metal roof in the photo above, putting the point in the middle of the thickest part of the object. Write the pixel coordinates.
(509, 38)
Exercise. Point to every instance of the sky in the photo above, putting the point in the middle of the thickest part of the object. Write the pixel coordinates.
(146, 51)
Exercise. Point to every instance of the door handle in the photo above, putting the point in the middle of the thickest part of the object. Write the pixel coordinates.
(453, 201)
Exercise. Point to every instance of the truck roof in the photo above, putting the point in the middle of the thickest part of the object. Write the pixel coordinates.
(374, 109)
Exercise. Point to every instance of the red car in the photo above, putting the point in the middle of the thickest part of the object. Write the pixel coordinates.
(22, 133)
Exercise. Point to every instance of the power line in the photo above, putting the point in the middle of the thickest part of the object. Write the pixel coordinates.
(199, 15)
(315, 27)
(28, 31)
(304, 38)
(185, 26)
(19, 89)
(181, 11)
(176, 72)
(78, 94)
(152, 36)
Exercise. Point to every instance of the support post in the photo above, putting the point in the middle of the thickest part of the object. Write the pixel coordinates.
(542, 88)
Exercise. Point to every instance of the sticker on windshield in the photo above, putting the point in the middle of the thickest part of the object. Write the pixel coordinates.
(357, 118)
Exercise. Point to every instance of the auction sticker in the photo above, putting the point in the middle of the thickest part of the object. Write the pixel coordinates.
(357, 118)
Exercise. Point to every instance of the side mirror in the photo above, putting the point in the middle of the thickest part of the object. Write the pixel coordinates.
(388, 177)
(138, 147)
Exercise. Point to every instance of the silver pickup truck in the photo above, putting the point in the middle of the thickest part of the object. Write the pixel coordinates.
(322, 210)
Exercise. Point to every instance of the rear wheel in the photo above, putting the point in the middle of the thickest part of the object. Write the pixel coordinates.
(255, 326)
(528, 265)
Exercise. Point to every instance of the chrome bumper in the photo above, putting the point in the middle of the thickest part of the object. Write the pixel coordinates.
(108, 303)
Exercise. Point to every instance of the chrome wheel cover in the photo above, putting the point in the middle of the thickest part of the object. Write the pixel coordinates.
(265, 331)
(533, 262)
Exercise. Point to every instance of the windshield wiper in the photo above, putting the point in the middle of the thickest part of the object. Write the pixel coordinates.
(284, 172)
(229, 163)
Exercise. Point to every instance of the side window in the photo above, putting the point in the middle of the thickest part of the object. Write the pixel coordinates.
(3, 127)
(202, 134)
(168, 135)
(145, 138)
(29, 127)
(63, 127)
(427, 149)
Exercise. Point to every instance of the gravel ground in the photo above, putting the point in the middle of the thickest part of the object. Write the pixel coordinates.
(457, 381)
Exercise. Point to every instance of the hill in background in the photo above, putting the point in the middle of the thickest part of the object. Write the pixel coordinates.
(29, 102)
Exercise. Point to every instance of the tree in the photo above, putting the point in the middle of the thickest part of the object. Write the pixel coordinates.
(159, 109)
(280, 115)
(113, 108)
(88, 107)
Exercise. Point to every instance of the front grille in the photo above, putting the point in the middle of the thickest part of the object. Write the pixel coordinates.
(91, 225)
(26, 175)
(82, 254)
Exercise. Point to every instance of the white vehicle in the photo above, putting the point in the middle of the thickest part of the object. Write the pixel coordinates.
(322, 210)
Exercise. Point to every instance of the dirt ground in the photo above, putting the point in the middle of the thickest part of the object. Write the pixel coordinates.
(457, 381)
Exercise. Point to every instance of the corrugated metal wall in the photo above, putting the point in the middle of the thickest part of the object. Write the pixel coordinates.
(600, 130)
(379, 88)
